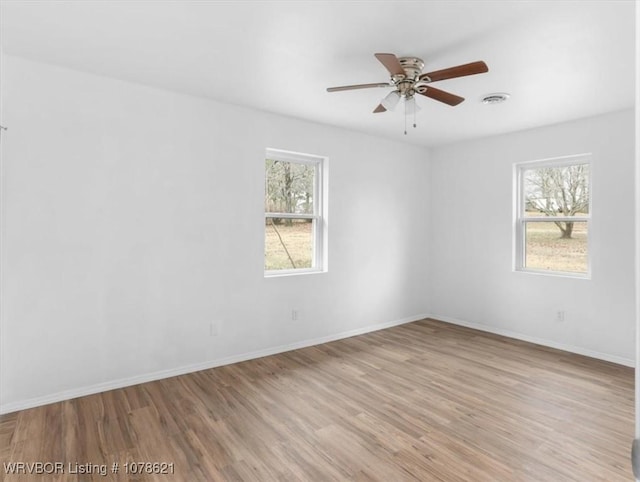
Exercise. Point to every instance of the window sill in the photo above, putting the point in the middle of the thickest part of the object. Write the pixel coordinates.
(555, 274)
(297, 272)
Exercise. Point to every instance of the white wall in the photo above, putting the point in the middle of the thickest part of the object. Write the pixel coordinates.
(133, 217)
(471, 277)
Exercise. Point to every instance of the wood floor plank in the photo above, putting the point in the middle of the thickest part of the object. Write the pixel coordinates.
(425, 401)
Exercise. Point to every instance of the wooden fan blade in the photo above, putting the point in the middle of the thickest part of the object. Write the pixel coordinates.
(442, 96)
(357, 86)
(391, 63)
(453, 72)
(379, 109)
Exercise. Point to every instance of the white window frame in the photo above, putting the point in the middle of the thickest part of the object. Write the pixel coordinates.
(319, 215)
(520, 221)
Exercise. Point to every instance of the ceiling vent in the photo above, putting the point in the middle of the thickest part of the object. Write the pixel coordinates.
(495, 98)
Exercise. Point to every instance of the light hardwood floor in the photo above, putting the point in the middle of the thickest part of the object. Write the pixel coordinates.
(424, 401)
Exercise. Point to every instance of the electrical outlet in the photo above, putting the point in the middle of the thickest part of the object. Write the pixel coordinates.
(560, 315)
(294, 315)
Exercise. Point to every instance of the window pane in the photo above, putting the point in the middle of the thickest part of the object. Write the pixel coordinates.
(556, 246)
(288, 243)
(289, 187)
(557, 191)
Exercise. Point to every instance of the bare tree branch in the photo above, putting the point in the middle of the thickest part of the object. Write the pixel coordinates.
(558, 191)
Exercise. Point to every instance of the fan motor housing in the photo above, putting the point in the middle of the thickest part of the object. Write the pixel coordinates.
(412, 66)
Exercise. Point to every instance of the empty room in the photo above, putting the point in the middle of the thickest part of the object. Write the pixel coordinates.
(317, 240)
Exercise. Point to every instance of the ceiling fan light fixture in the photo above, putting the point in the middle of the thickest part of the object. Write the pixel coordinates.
(411, 105)
(391, 100)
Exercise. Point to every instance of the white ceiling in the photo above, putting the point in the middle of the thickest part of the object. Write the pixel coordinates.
(559, 60)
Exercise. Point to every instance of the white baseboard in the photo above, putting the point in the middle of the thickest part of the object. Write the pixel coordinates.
(149, 377)
(538, 341)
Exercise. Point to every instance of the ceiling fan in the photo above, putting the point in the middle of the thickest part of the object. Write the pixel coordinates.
(407, 79)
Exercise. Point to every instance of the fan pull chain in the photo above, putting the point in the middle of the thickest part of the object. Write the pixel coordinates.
(405, 117)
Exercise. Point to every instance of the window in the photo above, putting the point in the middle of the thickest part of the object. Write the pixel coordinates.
(295, 214)
(553, 214)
